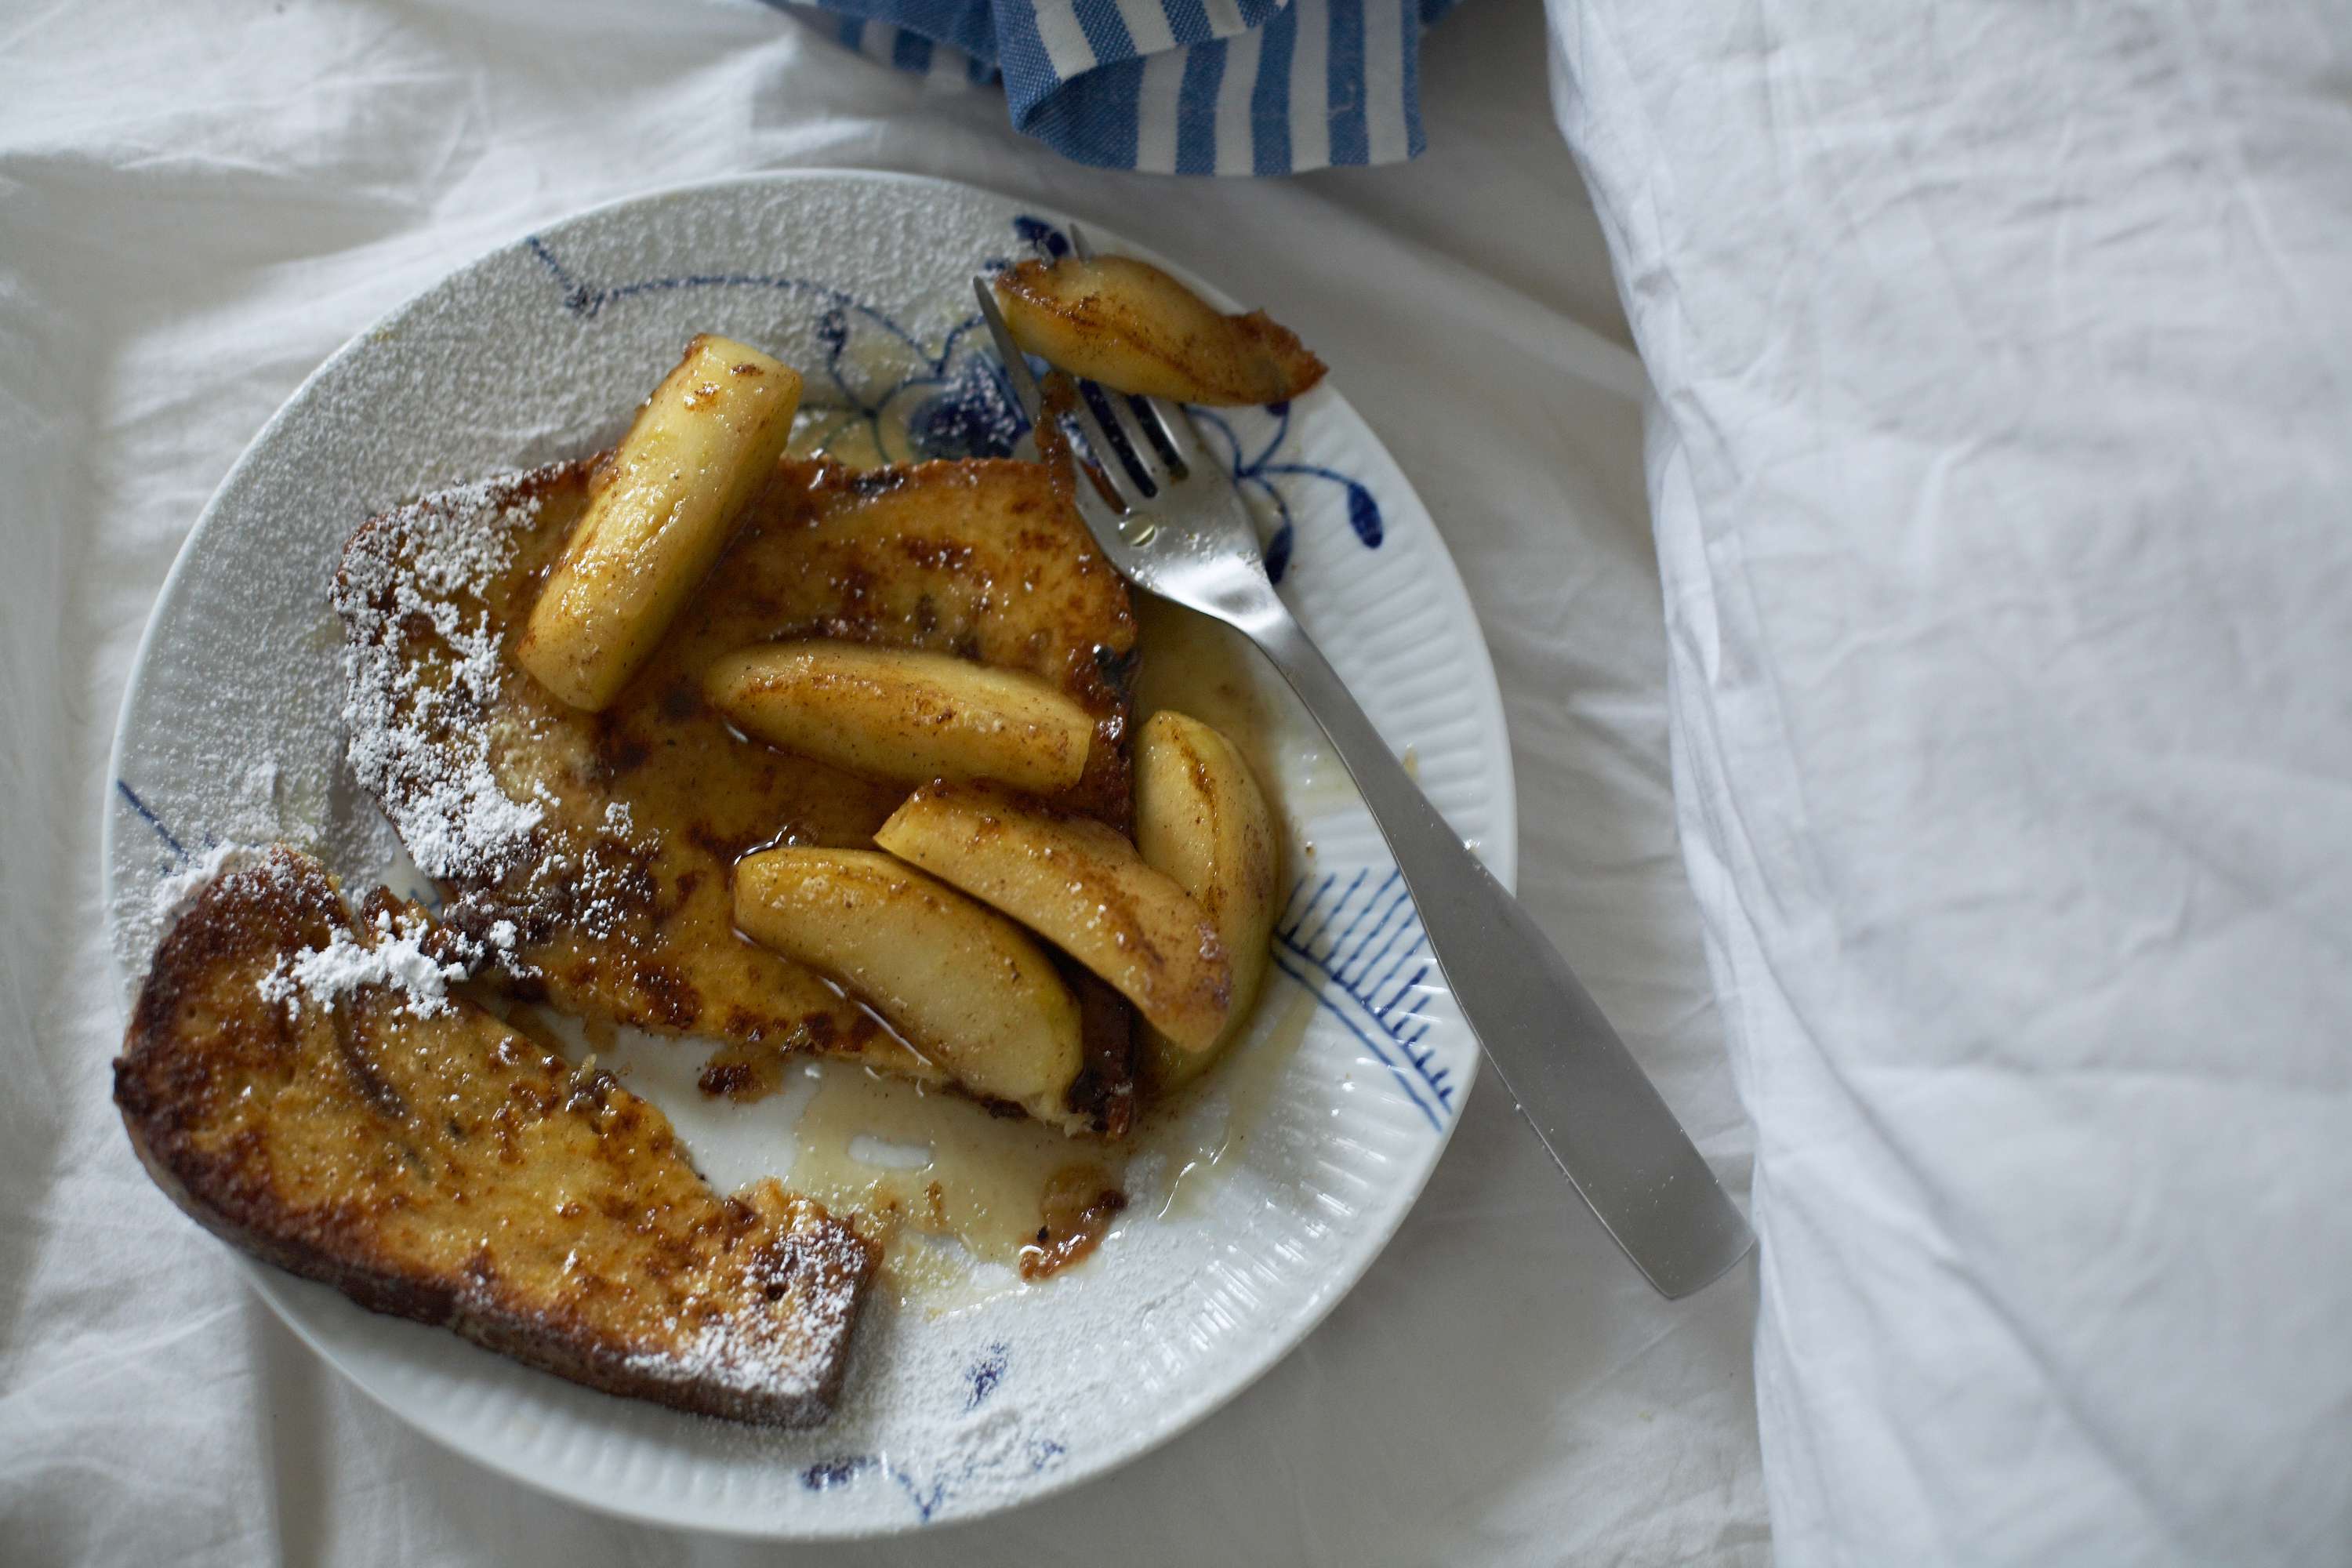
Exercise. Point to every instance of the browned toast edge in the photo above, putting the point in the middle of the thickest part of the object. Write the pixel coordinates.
(211, 1193)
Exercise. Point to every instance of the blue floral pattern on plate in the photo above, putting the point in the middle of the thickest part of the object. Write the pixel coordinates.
(952, 399)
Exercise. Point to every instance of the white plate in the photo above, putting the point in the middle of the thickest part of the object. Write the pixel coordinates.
(230, 733)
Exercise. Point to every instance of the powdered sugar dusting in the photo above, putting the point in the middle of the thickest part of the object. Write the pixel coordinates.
(413, 715)
(810, 1276)
(175, 892)
(394, 955)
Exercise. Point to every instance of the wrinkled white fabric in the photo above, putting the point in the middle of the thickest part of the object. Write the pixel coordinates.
(2002, 471)
(199, 201)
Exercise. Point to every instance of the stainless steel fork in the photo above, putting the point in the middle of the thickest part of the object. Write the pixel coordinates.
(1168, 517)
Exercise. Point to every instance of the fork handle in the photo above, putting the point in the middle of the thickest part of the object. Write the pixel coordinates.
(1598, 1115)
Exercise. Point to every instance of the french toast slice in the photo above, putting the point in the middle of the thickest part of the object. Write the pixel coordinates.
(589, 854)
(303, 1085)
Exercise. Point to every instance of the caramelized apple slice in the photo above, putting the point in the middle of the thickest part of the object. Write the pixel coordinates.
(664, 505)
(967, 987)
(901, 713)
(1129, 325)
(1201, 817)
(1082, 887)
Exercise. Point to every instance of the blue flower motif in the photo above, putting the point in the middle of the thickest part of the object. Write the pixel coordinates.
(1042, 236)
(1359, 948)
(985, 1373)
(952, 399)
(1259, 470)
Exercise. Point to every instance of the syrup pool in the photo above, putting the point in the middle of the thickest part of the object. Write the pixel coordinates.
(963, 1200)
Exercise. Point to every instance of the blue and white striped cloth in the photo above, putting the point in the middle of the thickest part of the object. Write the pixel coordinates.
(1173, 87)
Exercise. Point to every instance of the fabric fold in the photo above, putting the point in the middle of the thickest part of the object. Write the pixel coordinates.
(1170, 87)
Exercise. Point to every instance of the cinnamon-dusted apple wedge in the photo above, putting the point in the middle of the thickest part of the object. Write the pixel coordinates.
(966, 987)
(663, 507)
(903, 713)
(1131, 326)
(1082, 887)
(1201, 817)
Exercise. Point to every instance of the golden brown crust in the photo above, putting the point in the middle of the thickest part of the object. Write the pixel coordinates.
(429, 1163)
(629, 917)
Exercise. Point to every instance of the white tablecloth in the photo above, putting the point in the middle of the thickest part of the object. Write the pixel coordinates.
(198, 202)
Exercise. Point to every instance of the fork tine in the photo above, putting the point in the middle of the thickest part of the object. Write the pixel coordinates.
(1145, 453)
(1164, 424)
(1016, 364)
(1159, 450)
(1178, 438)
(1101, 512)
(1111, 469)
(1033, 397)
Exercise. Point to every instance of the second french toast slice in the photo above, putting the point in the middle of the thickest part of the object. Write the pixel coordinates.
(304, 1085)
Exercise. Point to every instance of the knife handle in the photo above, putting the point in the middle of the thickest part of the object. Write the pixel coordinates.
(1596, 1113)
